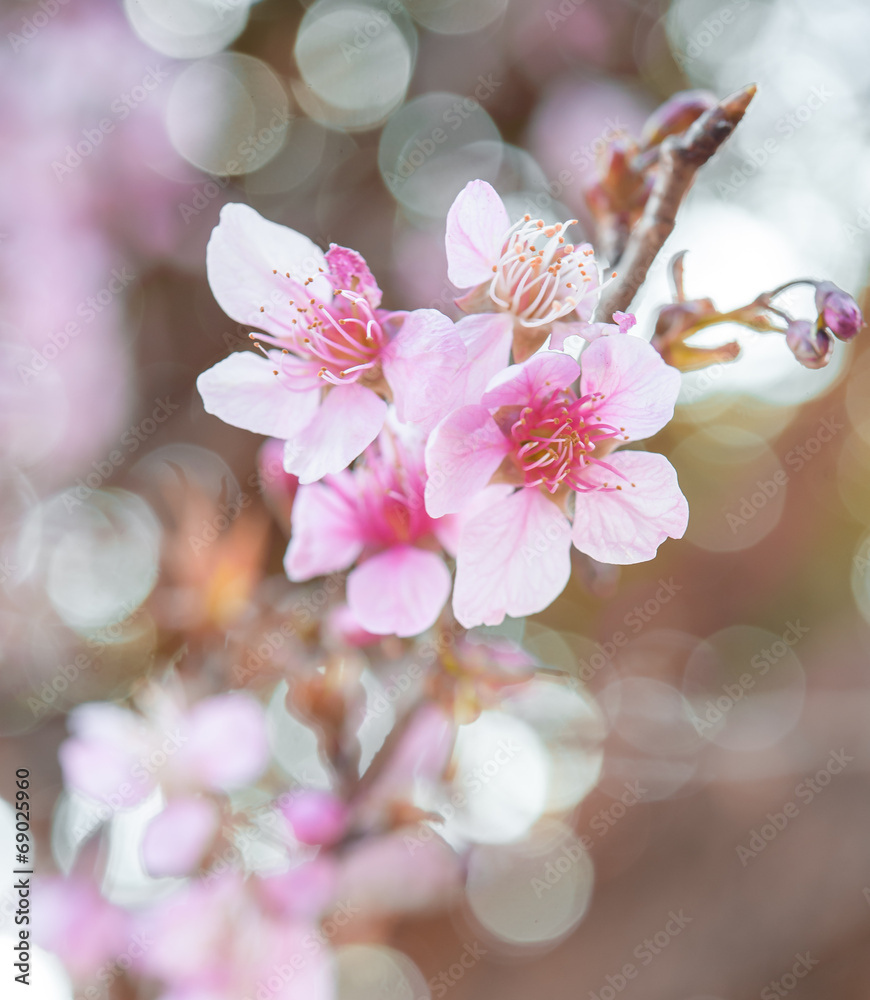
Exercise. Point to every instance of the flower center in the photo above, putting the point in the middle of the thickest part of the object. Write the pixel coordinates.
(344, 336)
(540, 277)
(345, 339)
(554, 439)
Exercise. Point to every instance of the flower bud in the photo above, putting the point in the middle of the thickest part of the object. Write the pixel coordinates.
(809, 344)
(316, 817)
(676, 115)
(838, 311)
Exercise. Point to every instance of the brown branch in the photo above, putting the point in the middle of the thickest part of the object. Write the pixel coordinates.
(680, 158)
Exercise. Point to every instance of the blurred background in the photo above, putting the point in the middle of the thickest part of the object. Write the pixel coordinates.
(712, 755)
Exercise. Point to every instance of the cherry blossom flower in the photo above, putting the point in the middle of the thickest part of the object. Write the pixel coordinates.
(213, 939)
(118, 758)
(374, 517)
(336, 357)
(514, 462)
(527, 281)
(79, 925)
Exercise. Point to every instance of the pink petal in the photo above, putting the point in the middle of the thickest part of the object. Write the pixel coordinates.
(488, 338)
(477, 224)
(625, 321)
(399, 592)
(400, 872)
(421, 756)
(226, 744)
(100, 759)
(242, 253)
(348, 269)
(347, 421)
(543, 373)
(326, 535)
(514, 559)
(446, 530)
(423, 365)
(244, 391)
(640, 389)
(177, 838)
(303, 891)
(76, 923)
(462, 454)
(628, 525)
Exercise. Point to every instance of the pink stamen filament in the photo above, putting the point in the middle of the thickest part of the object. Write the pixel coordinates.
(554, 440)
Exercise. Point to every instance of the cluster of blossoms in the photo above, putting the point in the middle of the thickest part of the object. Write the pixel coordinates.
(432, 465)
(417, 441)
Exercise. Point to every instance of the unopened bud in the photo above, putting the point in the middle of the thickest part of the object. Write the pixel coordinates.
(316, 817)
(811, 345)
(676, 115)
(838, 311)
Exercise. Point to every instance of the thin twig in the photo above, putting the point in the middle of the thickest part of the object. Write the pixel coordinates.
(680, 158)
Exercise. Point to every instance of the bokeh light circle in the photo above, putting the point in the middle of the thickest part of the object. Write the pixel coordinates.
(735, 484)
(373, 972)
(746, 685)
(228, 115)
(456, 17)
(533, 892)
(355, 59)
(187, 29)
(435, 145)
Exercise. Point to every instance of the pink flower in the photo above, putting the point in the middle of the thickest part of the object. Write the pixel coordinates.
(177, 839)
(81, 927)
(336, 356)
(212, 940)
(514, 463)
(375, 517)
(119, 757)
(526, 279)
